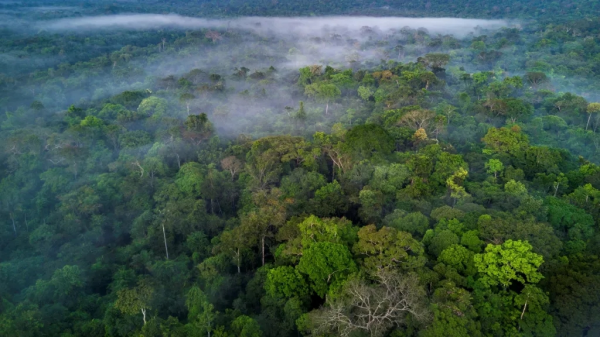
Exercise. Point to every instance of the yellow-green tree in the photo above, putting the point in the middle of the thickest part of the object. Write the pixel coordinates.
(138, 299)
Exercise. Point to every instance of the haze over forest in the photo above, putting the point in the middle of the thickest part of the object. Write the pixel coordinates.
(271, 168)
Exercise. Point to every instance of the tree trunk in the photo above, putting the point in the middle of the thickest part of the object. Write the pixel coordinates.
(165, 237)
(13, 223)
(137, 163)
(238, 261)
(588, 122)
(327, 108)
(524, 308)
(263, 249)
(144, 315)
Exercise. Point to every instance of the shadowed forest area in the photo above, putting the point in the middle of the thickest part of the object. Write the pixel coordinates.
(300, 168)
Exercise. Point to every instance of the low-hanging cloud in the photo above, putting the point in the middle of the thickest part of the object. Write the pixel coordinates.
(292, 25)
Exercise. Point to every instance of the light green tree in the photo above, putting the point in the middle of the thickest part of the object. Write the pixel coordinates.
(454, 182)
(493, 166)
(323, 92)
(286, 282)
(365, 93)
(593, 108)
(201, 314)
(153, 106)
(511, 261)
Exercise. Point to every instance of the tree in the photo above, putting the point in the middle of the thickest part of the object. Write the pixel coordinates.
(327, 265)
(387, 249)
(435, 61)
(417, 119)
(569, 221)
(213, 35)
(235, 243)
(265, 160)
(323, 92)
(511, 261)
(439, 240)
(371, 204)
(593, 108)
(138, 299)
(129, 99)
(332, 146)
(420, 79)
(517, 109)
(186, 98)
(286, 282)
(368, 140)
(536, 78)
(333, 230)
(301, 113)
(414, 223)
(201, 313)
(494, 166)
(454, 183)
(330, 200)
(232, 164)
(262, 223)
(153, 106)
(447, 110)
(197, 128)
(244, 326)
(365, 93)
(373, 309)
(505, 140)
(454, 315)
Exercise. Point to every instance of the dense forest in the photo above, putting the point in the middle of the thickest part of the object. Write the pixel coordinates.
(297, 174)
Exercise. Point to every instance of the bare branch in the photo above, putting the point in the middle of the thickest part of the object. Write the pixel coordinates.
(372, 308)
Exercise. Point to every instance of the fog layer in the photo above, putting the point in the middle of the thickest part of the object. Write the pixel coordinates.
(296, 25)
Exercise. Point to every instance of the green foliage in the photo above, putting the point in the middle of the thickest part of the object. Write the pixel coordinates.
(366, 141)
(201, 313)
(286, 282)
(245, 326)
(570, 220)
(365, 93)
(504, 140)
(326, 265)
(494, 166)
(140, 197)
(441, 240)
(387, 249)
(511, 261)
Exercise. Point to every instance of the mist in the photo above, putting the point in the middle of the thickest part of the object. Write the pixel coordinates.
(158, 171)
(296, 25)
(256, 43)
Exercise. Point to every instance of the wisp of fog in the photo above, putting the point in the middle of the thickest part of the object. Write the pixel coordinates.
(292, 25)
